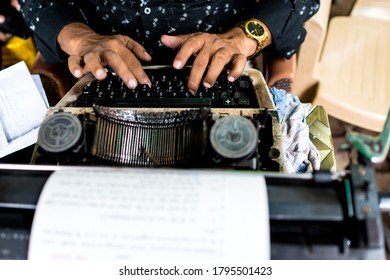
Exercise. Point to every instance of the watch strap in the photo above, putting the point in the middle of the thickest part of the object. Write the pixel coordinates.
(260, 42)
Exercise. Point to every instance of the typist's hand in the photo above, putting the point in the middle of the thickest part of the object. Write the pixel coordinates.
(214, 51)
(90, 52)
(4, 37)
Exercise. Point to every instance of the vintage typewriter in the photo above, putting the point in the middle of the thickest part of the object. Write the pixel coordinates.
(106, 123)
(319, 215)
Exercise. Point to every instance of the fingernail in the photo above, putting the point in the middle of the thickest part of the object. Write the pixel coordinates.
(177, 64)
(231, 79)
(2, 19)
(191, 91)
(77, 73)
(147, 82)
(132, 83)
(206, 85)
(100, 73)
(148, 56)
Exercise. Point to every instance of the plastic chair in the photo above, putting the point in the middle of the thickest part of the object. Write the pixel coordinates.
(354, 71)
(379, 9)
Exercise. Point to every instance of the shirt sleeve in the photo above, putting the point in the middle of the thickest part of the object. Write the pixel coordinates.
(285, 19)
(46, 18)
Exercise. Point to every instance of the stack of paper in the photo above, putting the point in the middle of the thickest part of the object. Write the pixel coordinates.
(22, 108)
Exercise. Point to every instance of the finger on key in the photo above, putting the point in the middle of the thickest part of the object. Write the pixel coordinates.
(117, 64)
(75, 65)
(238, 63)
(218, 62)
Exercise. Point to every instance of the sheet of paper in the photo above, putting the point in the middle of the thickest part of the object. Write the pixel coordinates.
(3, 139)
(38, 83)
(19, 143)
(22, 108)
(113, 213)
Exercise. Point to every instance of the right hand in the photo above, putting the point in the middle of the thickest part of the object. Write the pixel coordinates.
(91, 52)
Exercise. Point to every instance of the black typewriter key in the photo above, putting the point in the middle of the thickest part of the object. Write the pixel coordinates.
(244, 84)
(238, 94)
(224, 95)
(230, 87)
(181, 89)
(86, 90)
(144, 90)
(157, 89)
(228, 102)
(84, 100)
(243, 101)
(214, 95)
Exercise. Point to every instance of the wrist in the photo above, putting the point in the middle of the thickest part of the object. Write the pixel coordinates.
(247, 44)
(257, 32)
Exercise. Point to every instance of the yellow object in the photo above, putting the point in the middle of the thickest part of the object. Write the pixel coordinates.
(18, 49)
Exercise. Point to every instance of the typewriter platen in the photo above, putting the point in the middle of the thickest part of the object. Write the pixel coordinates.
(105, 123)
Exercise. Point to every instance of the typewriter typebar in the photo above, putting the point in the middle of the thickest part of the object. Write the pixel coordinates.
(169, 131)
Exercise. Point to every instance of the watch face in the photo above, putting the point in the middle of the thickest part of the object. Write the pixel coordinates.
(255, 29)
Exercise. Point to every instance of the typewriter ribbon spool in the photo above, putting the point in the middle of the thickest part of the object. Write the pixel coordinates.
(234, 137)
(60, 134)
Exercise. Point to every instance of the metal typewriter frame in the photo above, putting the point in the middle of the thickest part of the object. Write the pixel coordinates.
(263, 97)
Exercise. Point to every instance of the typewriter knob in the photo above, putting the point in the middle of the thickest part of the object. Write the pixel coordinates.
(60, 133)
(233, 137)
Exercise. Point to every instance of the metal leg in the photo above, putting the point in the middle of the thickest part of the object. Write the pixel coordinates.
(373, 148)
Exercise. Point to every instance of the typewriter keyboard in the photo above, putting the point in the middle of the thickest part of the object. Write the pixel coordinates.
(169, 90)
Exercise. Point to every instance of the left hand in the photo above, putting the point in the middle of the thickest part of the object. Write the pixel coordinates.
(4, 37)
(214, 51)
(15, 4)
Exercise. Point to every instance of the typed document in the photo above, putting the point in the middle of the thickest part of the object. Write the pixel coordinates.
(138, 214)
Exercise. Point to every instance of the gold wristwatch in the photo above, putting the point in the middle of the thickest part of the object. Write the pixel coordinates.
(255, 30)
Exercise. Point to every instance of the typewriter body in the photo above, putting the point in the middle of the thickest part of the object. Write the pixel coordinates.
(231, 125)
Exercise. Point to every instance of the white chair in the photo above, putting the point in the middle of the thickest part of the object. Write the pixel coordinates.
(379, 9)
(354, 71)
(343, 64)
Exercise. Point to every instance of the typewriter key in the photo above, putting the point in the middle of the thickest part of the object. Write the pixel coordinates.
(233, 137)
(60, 133)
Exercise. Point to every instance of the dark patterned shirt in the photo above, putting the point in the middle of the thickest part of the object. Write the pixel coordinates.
(146, 20)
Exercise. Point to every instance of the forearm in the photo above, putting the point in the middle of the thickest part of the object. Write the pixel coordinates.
(46, 18)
